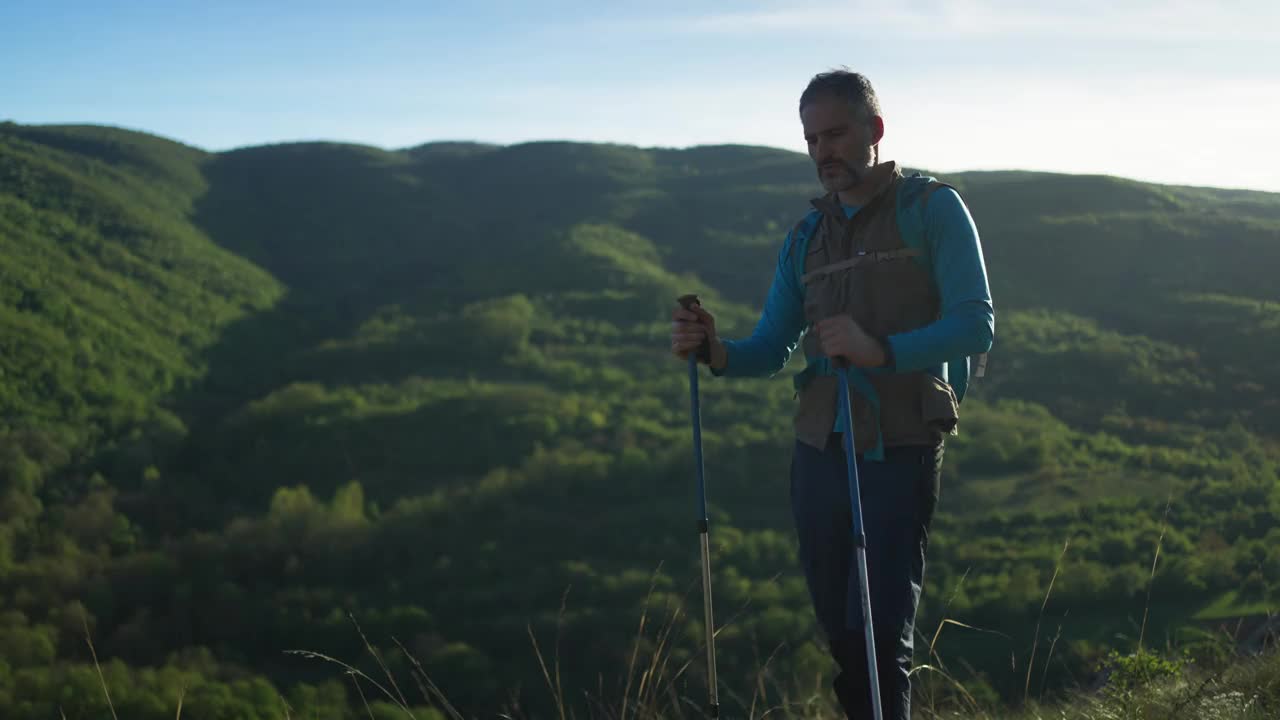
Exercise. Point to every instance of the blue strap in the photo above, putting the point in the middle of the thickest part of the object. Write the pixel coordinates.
(802, 379)
(860, 382)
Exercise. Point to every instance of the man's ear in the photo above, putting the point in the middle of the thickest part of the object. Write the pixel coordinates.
(877, 129)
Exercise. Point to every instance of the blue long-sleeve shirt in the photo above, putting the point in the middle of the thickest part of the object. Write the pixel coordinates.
(945, 231)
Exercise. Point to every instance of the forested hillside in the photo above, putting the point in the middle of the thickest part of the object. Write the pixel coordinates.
(249, 397)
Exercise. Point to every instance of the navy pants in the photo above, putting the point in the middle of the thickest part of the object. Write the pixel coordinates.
(898, 499)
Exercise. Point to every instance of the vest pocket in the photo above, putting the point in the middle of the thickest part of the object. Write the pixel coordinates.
(901, 294)
(938, 405)
(815, 415)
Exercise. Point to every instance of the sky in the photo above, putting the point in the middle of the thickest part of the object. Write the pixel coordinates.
(1174, 92)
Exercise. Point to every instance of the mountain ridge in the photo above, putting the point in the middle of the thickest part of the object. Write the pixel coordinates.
(247, 393)
(449, 146)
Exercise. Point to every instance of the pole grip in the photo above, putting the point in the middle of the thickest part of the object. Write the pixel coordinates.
(703, 352)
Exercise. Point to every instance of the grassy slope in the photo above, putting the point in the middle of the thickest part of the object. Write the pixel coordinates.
(320, 313)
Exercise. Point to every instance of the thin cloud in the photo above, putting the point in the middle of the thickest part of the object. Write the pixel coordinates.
(1159, 21)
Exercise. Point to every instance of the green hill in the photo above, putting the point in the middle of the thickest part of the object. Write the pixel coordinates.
(247, 396)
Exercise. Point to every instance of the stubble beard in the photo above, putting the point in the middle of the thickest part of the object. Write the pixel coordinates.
(848, 176)
(850, 173)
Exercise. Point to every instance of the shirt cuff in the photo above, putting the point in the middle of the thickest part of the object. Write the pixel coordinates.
(890, 361)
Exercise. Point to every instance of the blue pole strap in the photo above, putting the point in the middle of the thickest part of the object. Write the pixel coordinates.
(860, 380)
(857, 379)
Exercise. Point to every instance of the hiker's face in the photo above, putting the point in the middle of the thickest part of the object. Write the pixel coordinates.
(840, 141)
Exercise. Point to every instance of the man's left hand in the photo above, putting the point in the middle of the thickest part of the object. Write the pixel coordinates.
(842, 337)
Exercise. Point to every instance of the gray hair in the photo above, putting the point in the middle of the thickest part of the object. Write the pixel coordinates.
(850, 86)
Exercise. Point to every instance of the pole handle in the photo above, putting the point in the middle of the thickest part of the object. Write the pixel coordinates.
(703, 352)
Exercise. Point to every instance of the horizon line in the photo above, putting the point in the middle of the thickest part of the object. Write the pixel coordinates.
(565, 140)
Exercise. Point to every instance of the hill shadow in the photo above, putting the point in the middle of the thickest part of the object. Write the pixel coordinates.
(351, 230)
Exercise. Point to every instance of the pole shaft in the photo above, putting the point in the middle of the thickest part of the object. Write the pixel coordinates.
(713, 708)
(860, 543)
(696, 406)
(713, 686)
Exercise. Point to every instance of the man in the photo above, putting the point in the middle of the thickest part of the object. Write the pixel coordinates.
(885, 273)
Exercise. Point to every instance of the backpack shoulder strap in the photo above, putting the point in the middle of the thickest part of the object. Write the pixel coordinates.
(913, 205)
(805, 228)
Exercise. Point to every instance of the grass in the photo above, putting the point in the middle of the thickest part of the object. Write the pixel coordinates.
(1246, 689)
(1230, 605)
(1208, 680)
(1213, 683)
(88, 638)
(1026, 491)
(1143, 685)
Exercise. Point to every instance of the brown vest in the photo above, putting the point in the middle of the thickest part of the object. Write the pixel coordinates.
(861, 267)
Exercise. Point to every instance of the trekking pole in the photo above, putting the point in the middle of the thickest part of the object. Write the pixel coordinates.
(859, 537)
(713, 707)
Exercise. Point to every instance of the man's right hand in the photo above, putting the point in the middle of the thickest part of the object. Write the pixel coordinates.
(689, 328)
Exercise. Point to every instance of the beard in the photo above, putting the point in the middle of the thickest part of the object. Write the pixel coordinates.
(838, 175)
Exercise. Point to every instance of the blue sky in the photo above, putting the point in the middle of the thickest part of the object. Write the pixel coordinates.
(1169, 91)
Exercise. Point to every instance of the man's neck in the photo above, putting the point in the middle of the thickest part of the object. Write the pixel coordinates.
(872, 182)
